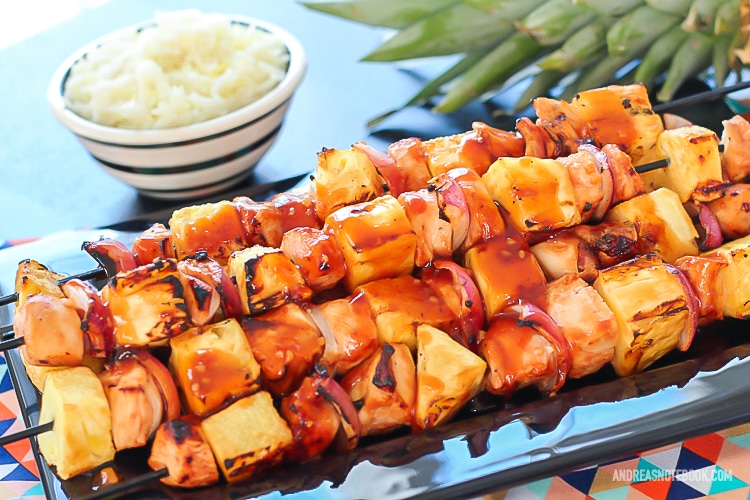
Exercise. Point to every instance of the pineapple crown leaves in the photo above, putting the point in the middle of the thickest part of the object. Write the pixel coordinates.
(552, 46)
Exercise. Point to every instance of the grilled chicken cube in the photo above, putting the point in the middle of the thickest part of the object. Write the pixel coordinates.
(586, 321)
(266, 279)
(375, 238)
(32, 277)
(538, 144)
(135, 400)
(735, 159)
(734, 279)
(586, 177)
(51, 329)
(383, 389)
(81, 436)
(521, 276)
(465, 150)
(627, 182)
(485, 220)
(401, 304)
(622, 116)
(663, 225)
(153, 243)
(344, 177)
(215, 228)
(448, 376)
(652, 308)
(537, 194)
(154, 302)
(694, 171)
(286, 343)
(434, 233)
(97, 322)
(584, 249)
(180, 446)
(213, 365)
(262, 222)
(499, 142)
(247, 437)
(704, 272)
(562, 124)
(317, 255)
(318, 412)
(732, 211)
(350, 332)
(411, 162)
(296, 208)
(519, 355)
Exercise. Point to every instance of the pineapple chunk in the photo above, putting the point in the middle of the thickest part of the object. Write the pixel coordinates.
(33, 277)
(538, 194)
(81, 436)
(734, 279)
(375, 238)
(266, 279)
(694, 171)
(652, 310)
(344, 177)
(247, 436)
(620, 115)
(213, 365)
(215, 228)
(448, 376)
(664, 227)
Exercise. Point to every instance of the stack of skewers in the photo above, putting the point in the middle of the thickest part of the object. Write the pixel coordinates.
(391, 291)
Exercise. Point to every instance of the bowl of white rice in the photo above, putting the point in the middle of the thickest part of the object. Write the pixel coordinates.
(181, 106)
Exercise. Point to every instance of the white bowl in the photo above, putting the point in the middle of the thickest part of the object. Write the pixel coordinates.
(190, 161)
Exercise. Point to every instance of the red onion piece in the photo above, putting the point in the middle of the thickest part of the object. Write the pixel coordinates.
(710, 224)
(688, 333)
(608, 180)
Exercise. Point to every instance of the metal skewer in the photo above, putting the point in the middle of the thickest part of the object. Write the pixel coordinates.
(91, 274)
(707, 96)
(125, 486)
(26, 433)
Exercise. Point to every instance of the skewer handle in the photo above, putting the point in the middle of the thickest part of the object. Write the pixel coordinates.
(26, 433)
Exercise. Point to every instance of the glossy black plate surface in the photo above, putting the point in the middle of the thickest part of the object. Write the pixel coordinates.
(491, 445)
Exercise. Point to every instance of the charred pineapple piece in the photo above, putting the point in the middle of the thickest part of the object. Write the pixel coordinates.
(213, 366)
(448, 376)
(215, 228)
(383, 389)
(350, 332)
(663, 225)
(150, 304)
(81, 436)
(33, 277)
(247, 437)
(586, 321)
(537, 194)
(375, 238)
(180, 446)
(286, 343)
(401, 304)
(153, 243)
(735, 159)
(652, 307)
(734, 279)
(620, 115)
(344, 177)
(521, 278)
(694, 171)
(317, 255)
(266, 279)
